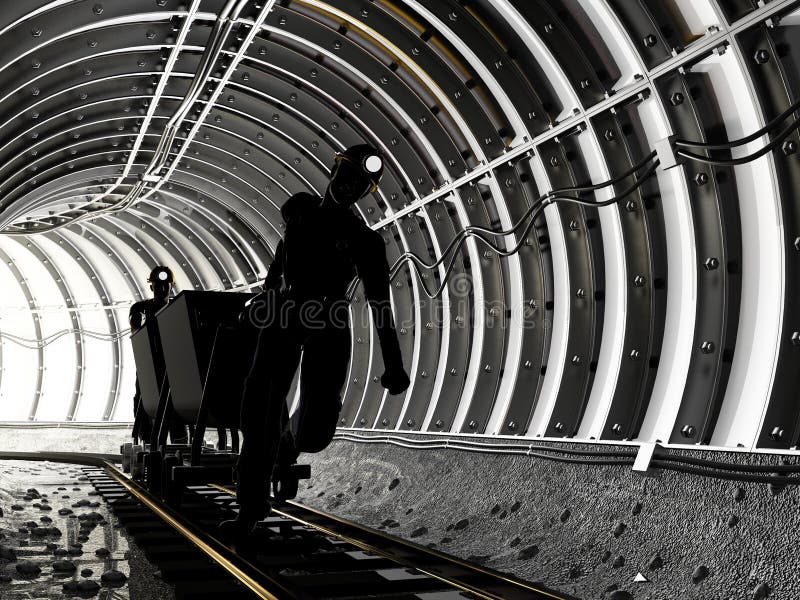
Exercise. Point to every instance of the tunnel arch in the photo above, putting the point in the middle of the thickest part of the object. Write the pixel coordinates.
(665, 316)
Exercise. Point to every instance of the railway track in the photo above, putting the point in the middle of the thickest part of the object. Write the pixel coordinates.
(298, 552)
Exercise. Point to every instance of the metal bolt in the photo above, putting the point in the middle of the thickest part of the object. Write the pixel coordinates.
(711, 264)
(511, 425)
(797, 244)
(676, 99)
(410, 423)
(776, 433)
(576, 360)
(559, 427)
(553, 161)
(796, 338)
(384, 421)
(687, 431)
(36, 32)
(649, 40)
(707, 347)
(487, 368)
(639, 281)
(98, 9)
(634, 355)
(761, 56)
(573, 225)
(362, 421)
(580, 293)
(609, 134)
(439, 423)
(630, 206)
(473, 424)
(585, 83)
(617, 428)
(789, 147)
(701, 178)
(549, 28)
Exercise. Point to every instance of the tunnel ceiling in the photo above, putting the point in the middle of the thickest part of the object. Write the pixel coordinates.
(138, 132)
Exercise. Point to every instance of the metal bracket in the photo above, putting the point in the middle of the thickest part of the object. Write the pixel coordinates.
(666, 153)
(646, 454)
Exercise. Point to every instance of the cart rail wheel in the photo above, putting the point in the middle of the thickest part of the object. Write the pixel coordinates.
(284, 489)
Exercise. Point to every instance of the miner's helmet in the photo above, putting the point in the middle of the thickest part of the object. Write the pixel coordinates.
(161, 274)
(361, 161)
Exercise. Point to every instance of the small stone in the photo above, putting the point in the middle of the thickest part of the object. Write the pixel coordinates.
(60, 552)
(656, 562)
(40, 531)
(17, 507)
(514, 542)
(619, 529)
(479, 558)
(515, 507)
(733, 521)
(738, 494)
(64, 566)
(64, 511)
(88, 586)
(700, 573)
(70, 586)
(87, 573)
(606, 555)
(575, 572)
(462, 524)
(620, 595)
(619, 561)
(762, 591)
(113, 577)
(8, 553)
(419, 531)
(636, 508)
(5, 578)
(394, 484)
(445, 540)
(495, 509)
(27, 568)
(565, 514)
(102, 552)
(528, 553)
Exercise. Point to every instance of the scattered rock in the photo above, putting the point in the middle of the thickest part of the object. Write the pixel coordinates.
(462, 524)
(102, 552)
(70, 586)
(394, 484)
(565, 514)
(514, 542)
(87, 586)
(495, 509)
(636, 509)
(502, 515)
(358, 489)
(620, 529)
(64, 566)
(700, 573)
(409, 511)
(528, 553)
(479, 558)
(5, 578)
(619, 561)
(419, 531)
(656, 562)
(620, 595)
(515, 507)
(445, 540)
(91, 516)
(8, 553)
(733, 521)
(738, 494)
(575, 572)
(17, 507)
(64, 511)
(27, 568)
(762, 591)
(606, 555)
(60, 552)
(87, 573)
(113, 577)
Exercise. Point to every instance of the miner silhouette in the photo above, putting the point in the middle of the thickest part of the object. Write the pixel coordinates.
(161, 280)
(303, 318)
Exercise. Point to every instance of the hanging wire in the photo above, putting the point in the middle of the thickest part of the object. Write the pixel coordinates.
(35, 344)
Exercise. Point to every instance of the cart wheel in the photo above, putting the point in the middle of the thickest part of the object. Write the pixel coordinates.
(284, 489)
(127, 452)
(137, 464)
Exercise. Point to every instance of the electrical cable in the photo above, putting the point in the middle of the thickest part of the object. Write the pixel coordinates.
(748, 138)
(743, 159)
(531, 214)
(35, 344)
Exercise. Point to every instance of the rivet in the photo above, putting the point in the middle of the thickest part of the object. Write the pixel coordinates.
(554, 161)
(796, 338)
(634, 354)
(761, 56)
(630, 206)
(639, 281)
(511, 425)
(789, 147)
(711, 263)
(649, 40)
(580, 293)
(687, 431)
(701, 178)
(576, 360)
(573, 225)
(617, 428)
(559, 426)
(608, 134)
(776, 433)
(487, 368)
(36, 32)
(410, 423)
(707, 347)
(473, 424)
(676, 99)
(439, 423)
(97, 9)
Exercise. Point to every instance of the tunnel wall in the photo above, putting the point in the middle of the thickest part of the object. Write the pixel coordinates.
(585, 530)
